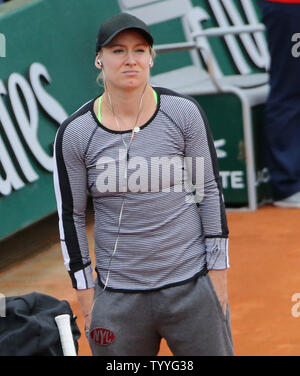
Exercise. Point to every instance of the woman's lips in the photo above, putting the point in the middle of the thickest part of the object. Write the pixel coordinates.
(130, 72)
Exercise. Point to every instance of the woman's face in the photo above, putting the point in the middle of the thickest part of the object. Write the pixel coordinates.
(126, 61)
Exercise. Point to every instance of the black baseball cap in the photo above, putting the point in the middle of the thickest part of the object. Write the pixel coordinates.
(114, 25)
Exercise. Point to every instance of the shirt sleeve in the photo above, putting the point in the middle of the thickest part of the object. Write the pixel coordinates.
(204, 175)
(70, 183)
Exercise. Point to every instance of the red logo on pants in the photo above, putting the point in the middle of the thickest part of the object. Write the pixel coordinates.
(102, 336)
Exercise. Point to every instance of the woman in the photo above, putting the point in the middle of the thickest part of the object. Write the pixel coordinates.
(155, 237)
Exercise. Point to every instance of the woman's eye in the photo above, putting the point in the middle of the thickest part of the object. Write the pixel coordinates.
(118, 51)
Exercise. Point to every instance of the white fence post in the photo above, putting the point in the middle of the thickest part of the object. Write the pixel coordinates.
(2, 45)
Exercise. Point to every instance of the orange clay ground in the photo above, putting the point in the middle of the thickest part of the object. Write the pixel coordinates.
(264, 275)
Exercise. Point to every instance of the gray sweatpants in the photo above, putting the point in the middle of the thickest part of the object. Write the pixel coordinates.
(188, 316)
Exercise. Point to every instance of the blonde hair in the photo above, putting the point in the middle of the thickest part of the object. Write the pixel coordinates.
(100, 77)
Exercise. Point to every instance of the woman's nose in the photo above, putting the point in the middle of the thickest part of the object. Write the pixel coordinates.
(130, 58)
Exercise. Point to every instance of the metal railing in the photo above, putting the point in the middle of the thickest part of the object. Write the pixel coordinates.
(210, 32)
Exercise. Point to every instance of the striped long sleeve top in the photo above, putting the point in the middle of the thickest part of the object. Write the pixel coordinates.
(173, 225)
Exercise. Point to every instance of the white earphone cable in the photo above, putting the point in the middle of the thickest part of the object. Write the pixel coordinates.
(127, 147)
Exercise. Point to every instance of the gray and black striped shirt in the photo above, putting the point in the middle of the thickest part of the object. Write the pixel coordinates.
(168, 234)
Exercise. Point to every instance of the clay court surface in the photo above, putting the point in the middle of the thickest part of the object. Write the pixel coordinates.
(264, 275)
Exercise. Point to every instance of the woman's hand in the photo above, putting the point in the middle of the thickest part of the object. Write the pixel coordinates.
(219, 281)
(85, 298)
(87, 321)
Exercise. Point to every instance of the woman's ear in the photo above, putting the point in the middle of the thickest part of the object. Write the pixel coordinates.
(98, 62)
(152, 57)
